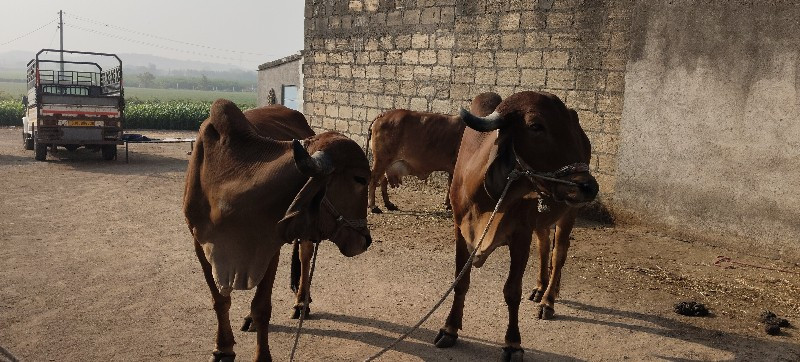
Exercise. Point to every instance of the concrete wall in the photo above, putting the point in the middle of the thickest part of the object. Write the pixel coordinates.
(274, 75)
(364, 57)
(710, 133)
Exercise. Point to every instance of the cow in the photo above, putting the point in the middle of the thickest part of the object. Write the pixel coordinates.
(416, 143)
(247, 194)
(535, 137)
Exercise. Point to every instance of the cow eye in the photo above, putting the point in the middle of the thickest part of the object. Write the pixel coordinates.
(360, 180)
(537, 127)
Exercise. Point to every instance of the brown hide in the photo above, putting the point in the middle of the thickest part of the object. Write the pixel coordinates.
(245, 197)
(279, 123)
(412, 143)
(239, 184)
(417, 143)
(542, 132)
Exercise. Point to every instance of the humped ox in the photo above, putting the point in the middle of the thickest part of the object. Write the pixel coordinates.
(535, 136)
(406, 142)
(247, 194)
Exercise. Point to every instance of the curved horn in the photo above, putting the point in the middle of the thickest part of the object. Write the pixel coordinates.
(483, 124)
(318, 164)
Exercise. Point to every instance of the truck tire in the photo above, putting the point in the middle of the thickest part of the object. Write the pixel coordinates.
(27, 141)
(109, 152)
(40, 150)
(71, 148)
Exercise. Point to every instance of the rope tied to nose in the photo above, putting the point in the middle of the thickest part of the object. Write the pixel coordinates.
(515, 174)
(356, 224)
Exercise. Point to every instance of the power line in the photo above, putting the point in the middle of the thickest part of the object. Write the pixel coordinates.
(163, 38)
(151, 44)
(29, 33)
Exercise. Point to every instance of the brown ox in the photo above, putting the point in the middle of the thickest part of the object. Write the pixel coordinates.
(539, 136)
(416, 143)
(247, 195)
(283, 124)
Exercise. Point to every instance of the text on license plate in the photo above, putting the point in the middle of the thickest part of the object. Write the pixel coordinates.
(81, 123)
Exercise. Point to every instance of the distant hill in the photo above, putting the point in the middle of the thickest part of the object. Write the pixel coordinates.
(133, 64)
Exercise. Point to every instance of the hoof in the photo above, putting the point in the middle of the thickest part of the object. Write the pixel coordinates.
(447, 206)
(445, 339)
(536, 295)
(376, 210)
(223, 357)
(391, 207)
(512, 354)
(546, 312)
(297, 309)
(248, 325)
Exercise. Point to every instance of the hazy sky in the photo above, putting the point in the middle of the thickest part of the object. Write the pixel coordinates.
(242, 32)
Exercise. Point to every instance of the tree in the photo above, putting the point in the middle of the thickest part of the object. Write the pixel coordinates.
(146, 80)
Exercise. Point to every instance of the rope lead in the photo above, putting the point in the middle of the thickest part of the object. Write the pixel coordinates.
(511, 177)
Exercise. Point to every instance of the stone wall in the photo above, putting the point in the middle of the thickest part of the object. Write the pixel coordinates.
(363, 57)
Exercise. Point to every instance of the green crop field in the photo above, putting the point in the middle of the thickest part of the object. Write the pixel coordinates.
(189, 95)
(15, 90)
(12, 74)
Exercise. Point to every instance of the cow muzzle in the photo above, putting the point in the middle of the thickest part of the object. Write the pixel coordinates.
(351, 235)
(583, 190)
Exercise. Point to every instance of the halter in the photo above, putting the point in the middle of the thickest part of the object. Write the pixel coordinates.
(357, 225)
(536, 177)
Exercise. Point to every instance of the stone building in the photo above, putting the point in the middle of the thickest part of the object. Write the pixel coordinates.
(691, 106)
(281, 82)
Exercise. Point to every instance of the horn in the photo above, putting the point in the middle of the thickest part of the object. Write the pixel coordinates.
(318, 164)
(483, 124)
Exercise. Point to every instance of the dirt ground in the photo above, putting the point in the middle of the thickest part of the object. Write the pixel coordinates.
(96, 264)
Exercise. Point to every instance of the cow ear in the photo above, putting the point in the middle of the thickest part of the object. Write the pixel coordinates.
(301, 220)
(501, 165)
(587, 145)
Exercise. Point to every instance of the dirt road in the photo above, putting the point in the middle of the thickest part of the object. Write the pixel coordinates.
(96, 264)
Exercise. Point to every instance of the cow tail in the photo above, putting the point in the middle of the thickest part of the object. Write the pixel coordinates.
(294, 280)
(369, 136)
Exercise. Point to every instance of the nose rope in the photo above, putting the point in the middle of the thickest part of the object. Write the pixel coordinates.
(554, 176)
(355, 224)
(467, 265)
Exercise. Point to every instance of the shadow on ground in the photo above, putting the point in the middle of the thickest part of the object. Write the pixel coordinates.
(733, 343)
(418, 344)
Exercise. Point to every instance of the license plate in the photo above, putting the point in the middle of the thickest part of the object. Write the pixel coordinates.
(81, 123)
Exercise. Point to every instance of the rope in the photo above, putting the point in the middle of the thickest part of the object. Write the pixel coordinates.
(724, 259)
(511, 177)
(303, 312)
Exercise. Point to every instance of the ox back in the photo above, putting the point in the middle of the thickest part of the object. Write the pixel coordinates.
(411, 143)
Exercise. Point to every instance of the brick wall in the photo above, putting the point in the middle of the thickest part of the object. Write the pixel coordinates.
(363, 57)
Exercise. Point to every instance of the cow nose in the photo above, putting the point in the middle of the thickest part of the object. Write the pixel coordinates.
(369, 240)
(589, 188)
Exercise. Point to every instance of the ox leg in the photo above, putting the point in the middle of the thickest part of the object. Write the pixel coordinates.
(306, 250)
(543, 245)
(377, 174)
(222, 304)
(519, 249)
(558, 258)
(385, 195)
(447, 195)
(449, 333)
(261, 310)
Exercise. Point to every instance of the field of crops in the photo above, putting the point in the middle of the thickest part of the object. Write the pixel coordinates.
(185, 115)
(11, 113)
(13, 89)
(189, 95)
(168, 115)
(146, 108)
